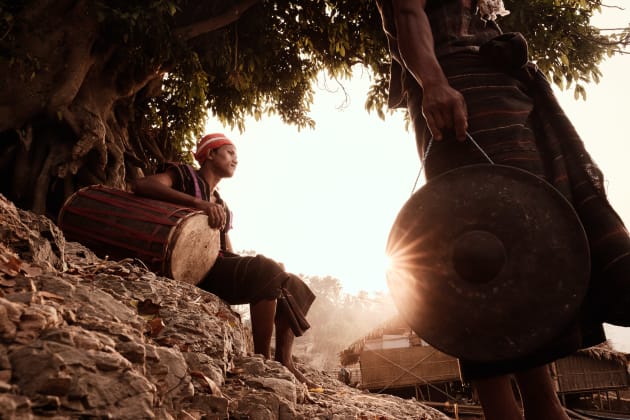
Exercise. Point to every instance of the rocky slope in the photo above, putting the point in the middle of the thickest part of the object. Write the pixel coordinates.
(82, 337)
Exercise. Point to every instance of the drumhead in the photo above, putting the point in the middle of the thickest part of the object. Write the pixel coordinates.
(193, 249)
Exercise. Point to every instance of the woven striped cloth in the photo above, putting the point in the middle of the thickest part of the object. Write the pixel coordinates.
(518, 122)
(515, 118)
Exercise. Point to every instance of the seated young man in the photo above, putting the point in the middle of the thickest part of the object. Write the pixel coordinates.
(275, 296)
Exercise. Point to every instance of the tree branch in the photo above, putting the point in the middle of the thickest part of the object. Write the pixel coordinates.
(216, 22)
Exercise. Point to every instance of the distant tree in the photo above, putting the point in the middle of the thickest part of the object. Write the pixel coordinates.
(338, 319)
(327, 287)
(95, 91)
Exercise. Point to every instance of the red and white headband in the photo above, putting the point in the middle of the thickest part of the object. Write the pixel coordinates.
(210, 142)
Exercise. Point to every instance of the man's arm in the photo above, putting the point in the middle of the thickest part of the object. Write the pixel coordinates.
(443, 107)
(160, 187)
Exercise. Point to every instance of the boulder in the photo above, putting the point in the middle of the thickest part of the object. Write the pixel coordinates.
(84, 337)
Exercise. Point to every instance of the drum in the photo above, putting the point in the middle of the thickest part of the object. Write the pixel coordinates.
(172, 240)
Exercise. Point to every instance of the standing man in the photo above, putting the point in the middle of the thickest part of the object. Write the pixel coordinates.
(457, 73)
(275, 296)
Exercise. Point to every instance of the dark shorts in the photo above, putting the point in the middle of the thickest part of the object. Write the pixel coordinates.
(243, 279)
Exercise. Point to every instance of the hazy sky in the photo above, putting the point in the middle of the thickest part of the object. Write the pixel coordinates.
(323, 201)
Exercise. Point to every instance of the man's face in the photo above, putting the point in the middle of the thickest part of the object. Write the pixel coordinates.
(224, 160)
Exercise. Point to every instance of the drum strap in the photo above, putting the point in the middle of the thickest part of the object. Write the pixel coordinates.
(198, 195)
(196, 181)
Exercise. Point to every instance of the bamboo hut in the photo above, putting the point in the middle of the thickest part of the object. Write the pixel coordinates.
(595, 378)
(393, 359)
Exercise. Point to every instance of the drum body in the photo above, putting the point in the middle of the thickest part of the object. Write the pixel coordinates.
(172, 240)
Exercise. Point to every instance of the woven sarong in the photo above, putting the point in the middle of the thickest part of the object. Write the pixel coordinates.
(244, 279)
(517, 121)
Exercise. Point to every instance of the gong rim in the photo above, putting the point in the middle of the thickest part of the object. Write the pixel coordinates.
(512, 311)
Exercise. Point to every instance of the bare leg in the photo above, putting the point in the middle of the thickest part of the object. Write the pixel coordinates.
(284, 349)
(263, 314)
(539, 395)
(497, 399)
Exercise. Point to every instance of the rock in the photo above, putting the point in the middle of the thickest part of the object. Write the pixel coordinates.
(83, 337)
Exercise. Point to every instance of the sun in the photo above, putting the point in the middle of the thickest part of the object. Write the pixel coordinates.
(384, 264)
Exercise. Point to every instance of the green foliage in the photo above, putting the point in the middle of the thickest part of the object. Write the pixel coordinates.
(270, 58)
(562, 41)
(266, 61)
(143, 34)
(178, 112)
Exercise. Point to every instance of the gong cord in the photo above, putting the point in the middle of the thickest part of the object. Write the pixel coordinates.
(426, 154)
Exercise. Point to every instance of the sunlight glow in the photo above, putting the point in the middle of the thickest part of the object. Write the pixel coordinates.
(404, 252)
(307, 198)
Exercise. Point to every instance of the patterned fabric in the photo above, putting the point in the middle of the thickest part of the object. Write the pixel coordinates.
(185, 182)
(515, 118)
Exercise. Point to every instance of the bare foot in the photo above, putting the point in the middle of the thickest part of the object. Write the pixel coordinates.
(300, 376)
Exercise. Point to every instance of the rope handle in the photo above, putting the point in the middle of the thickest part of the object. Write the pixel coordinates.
(193, 174)
(423, 161)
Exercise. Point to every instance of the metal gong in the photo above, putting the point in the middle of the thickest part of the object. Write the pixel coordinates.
(489, 262)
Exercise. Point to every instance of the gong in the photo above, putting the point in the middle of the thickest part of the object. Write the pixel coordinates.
(489, 262)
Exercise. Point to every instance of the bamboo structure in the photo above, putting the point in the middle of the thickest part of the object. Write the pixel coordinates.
(392, 357)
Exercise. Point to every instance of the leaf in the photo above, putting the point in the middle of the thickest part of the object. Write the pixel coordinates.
(155, 327)
(172, 9)
(207, 383)
(10, 265)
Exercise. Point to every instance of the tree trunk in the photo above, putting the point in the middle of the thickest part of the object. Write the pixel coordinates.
(58, 126)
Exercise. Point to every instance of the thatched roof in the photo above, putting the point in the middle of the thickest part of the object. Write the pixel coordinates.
(604, 351)
(351, 354)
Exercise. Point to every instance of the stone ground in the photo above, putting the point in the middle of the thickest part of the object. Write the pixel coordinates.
(83, 337)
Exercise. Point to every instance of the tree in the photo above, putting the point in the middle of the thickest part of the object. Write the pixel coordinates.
(95, 91)
(561, 40)
(337, 319)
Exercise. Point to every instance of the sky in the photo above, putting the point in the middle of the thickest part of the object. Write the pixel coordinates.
(323, 201)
